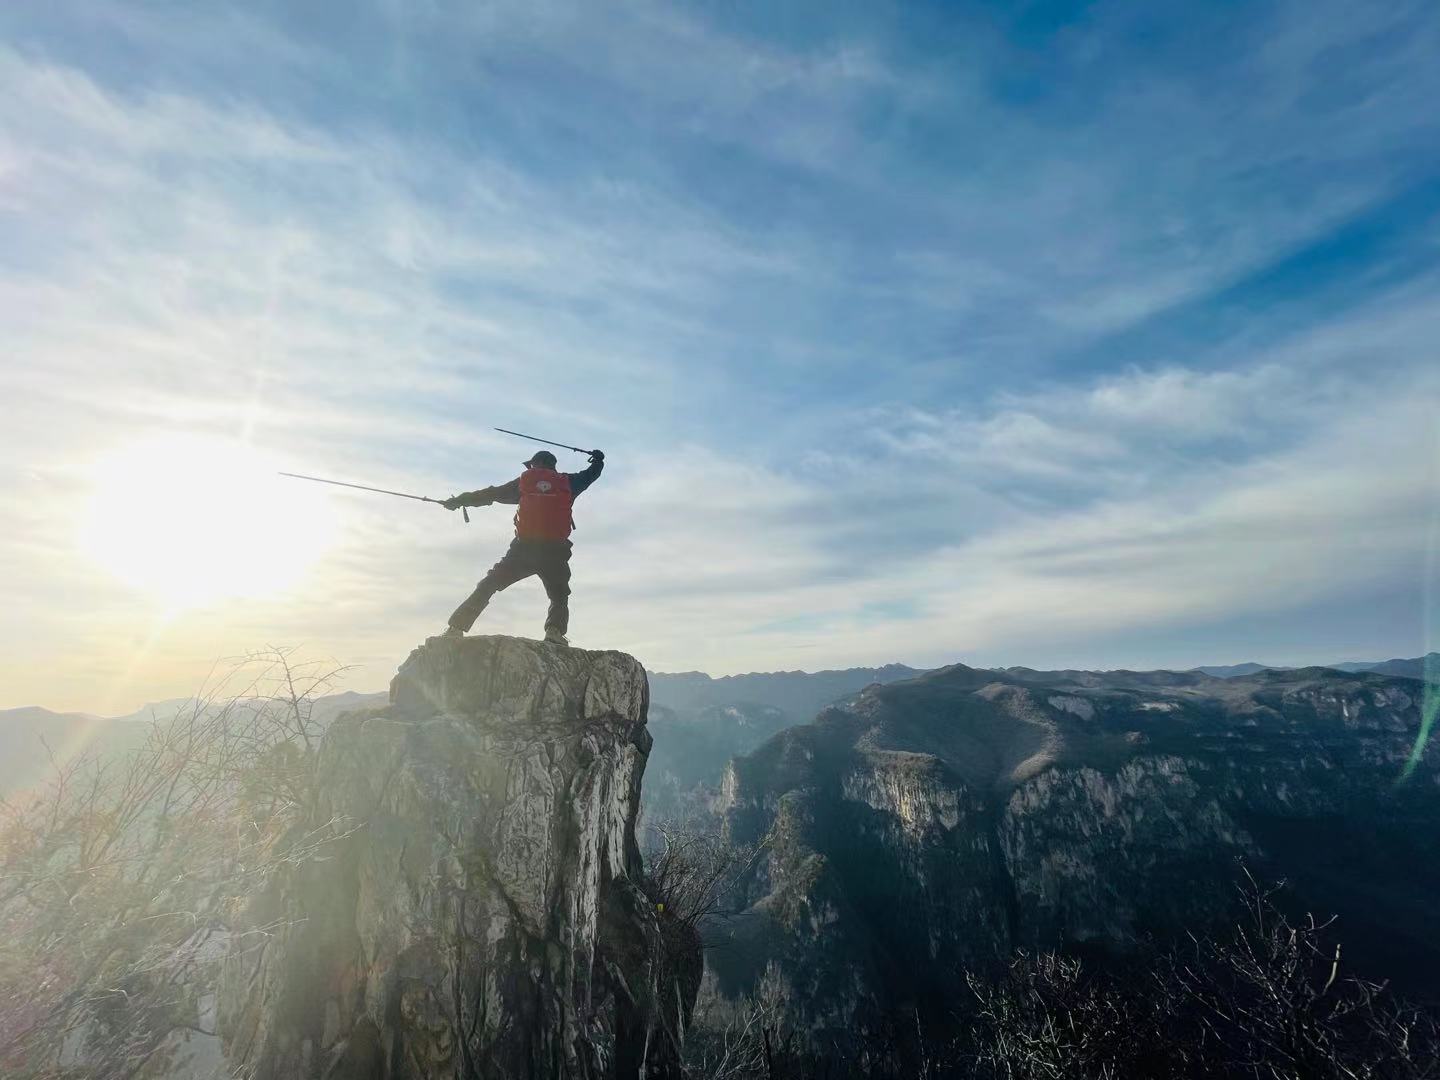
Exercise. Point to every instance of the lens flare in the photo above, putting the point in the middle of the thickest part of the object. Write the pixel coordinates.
(1430, 696)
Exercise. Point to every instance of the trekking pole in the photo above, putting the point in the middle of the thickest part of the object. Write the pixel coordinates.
(382, 491)
(547, 442)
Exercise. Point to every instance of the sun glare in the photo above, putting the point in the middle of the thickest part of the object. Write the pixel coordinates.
(189, 520)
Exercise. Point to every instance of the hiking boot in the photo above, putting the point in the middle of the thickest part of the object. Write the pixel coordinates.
(555, 637)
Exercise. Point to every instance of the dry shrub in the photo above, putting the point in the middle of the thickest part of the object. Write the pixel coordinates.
(119, 876)
(1270, 1000)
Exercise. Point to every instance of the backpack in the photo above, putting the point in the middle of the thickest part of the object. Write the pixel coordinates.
(545, 501)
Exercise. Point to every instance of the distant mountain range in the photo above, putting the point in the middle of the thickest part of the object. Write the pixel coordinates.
(796, 693)
(699, 722)
(31, 736)
(1414, 668)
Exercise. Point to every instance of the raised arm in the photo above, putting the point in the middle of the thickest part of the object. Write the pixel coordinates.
(579, 481)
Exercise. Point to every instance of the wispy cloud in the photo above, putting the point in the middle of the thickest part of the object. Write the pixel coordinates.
(909, 338)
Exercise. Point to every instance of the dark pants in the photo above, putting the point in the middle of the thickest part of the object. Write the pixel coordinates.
(548, 558)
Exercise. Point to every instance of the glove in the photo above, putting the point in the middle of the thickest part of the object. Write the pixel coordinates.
(452, 503)
(597, 455)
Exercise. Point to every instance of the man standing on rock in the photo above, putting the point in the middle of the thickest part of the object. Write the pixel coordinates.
(542, 539)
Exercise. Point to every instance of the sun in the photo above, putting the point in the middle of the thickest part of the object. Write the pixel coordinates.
(189, 520)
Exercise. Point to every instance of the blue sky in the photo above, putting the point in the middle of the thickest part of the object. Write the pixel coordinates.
(1053, 334)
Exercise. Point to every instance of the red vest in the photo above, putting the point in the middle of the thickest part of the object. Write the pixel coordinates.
(545, 500)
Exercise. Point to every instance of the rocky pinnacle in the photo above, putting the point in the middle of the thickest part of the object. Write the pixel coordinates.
(478, 908)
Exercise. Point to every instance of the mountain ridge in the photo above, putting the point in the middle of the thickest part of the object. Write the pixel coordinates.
(1086, 810)
(164, 705)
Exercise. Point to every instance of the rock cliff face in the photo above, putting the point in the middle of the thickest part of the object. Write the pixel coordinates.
(478, 909)
(700, 723)
(934, 825)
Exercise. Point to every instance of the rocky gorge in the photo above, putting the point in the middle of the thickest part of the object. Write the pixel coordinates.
(928, 828)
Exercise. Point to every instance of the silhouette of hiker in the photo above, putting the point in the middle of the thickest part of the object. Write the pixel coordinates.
(542, 539)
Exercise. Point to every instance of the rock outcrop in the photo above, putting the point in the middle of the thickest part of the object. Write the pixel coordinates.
(932, 826)
(477, 907)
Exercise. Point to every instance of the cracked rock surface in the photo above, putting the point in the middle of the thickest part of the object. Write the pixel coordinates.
(480, 910)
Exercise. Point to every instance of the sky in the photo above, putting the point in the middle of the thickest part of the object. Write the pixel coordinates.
(1058, 334)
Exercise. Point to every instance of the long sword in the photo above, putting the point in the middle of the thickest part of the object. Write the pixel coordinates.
(365, 487)
(548, 442)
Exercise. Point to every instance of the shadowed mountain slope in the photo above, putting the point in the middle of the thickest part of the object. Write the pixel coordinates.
(937, 823)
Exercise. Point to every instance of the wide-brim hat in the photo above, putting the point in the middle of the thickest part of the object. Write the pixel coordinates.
(541, 457)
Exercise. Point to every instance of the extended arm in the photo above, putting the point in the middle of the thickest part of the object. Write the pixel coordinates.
(502, 493)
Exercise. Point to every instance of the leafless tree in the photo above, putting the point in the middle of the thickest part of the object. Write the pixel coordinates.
(690, 872)
(120, 875)
(1047, 1018)
(1269, 1001)
(1274, 1001)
